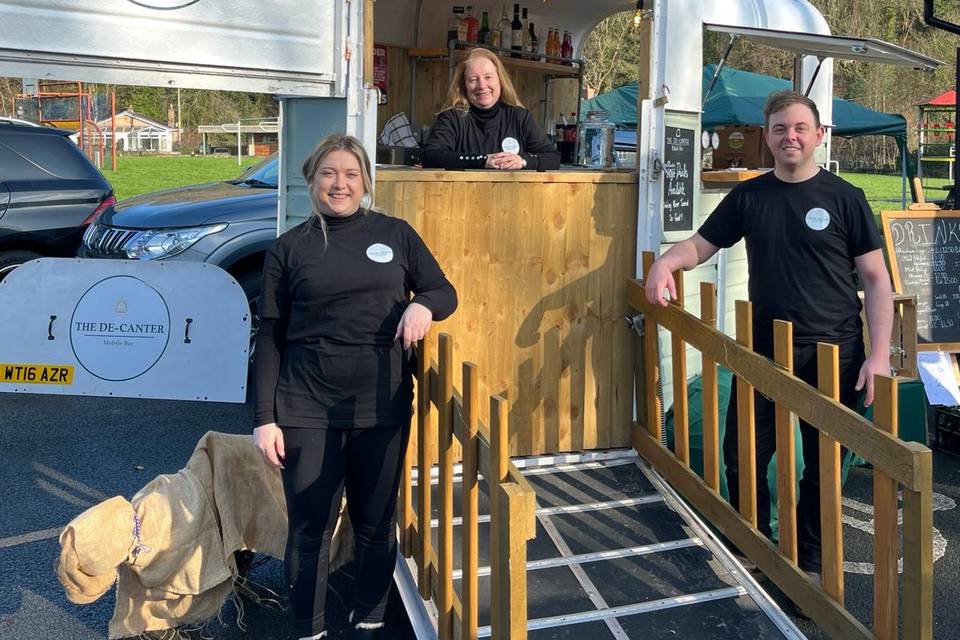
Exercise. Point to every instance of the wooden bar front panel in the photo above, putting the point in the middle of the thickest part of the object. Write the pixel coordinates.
(540, 263)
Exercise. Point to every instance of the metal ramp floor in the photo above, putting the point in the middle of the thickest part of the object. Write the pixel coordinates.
(617, 555)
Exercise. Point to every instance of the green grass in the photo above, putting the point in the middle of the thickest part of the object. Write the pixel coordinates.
(883, 192)
(143, 174)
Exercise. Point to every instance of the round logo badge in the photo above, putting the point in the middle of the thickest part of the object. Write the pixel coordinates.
(119, 328)
(735, 140)
(510, 145)
(380, 253)
(164, 4)
(818, 219)
(705, 139)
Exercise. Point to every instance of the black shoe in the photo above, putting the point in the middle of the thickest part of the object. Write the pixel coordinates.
(366, 634)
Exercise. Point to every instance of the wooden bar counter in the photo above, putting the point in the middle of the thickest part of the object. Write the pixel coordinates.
(540, 262)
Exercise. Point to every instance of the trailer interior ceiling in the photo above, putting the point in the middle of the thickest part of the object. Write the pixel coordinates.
(423, 23)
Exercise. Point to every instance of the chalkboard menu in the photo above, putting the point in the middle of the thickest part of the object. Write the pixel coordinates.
(678, 188)
(924, 252)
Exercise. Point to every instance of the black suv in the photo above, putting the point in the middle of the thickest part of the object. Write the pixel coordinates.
(49, 193)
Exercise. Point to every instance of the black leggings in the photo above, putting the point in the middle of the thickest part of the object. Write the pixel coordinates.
(318, 464)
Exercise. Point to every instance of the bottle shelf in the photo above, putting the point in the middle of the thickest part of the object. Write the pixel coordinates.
(554, 68)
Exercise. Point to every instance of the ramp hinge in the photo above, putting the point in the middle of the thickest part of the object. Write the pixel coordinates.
(635, 323)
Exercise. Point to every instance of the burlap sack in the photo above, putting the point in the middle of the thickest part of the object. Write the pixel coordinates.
(180, 568)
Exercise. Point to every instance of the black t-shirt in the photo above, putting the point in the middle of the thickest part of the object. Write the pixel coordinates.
(801, 241)
(462, 140)
(331, 312)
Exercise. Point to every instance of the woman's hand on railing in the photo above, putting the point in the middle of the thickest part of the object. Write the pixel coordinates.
(269, 440)
(414, 324)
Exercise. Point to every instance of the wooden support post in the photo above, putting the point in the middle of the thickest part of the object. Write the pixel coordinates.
(886, 529)
(500, 459)
(406, 503)
(786, 449)
(831, 525)
(651, 362)
(918, 552)
(681, 418)
(711, 406)
(445, 551)
(746, 426)
(511, 604)
(425, 440)
(368, 39)
(470, 557)
(909, 332)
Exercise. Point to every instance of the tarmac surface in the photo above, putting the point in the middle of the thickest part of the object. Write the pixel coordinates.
(63, 454)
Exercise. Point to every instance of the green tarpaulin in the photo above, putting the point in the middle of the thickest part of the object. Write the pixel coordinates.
(738, 98)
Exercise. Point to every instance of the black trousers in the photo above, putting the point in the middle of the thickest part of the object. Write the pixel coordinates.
(319, 464)
(808, 501)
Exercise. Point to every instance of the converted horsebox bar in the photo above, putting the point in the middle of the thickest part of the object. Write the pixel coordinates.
(544, 263)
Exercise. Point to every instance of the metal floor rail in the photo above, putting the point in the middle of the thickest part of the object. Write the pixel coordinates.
(617, 555)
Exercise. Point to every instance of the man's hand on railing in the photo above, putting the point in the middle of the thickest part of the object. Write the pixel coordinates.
(877, 364)
(658, 279)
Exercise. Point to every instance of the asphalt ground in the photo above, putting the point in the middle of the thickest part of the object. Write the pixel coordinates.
(61, 455)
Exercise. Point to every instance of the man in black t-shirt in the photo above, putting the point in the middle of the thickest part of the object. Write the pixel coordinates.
(806, 233)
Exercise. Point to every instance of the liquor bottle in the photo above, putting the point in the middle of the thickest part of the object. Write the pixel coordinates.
(473, 25)
(453, 24)
(503, 26)
(462, 27)
(484, 34)
(516, 33)
(526, 32)
(534, 43)
(552, 44)
(566, 49)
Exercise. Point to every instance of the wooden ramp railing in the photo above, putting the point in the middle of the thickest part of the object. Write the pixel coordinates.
(444, 416)
(896, 464)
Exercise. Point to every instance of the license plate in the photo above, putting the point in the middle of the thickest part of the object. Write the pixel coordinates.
(36, 373)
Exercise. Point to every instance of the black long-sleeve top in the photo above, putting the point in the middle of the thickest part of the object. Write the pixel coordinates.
(325, 352)
(462, 140)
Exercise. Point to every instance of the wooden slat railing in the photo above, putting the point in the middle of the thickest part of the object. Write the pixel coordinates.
(897, 464)
(512, 502)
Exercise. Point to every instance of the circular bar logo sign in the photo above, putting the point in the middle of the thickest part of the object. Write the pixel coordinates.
(120, 328)
(164, 4)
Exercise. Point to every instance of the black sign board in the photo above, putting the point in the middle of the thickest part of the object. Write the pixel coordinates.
(679, 160)
(924, 252)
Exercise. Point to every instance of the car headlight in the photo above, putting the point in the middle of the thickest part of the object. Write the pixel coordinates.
(164, 243)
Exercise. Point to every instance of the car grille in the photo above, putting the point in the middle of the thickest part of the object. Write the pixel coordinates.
(107, 242)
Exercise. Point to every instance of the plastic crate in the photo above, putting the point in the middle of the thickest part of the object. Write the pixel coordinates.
(946, 422)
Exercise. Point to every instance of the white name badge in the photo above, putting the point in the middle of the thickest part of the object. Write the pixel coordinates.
(510, 145)
(818, 219)
(380, 253)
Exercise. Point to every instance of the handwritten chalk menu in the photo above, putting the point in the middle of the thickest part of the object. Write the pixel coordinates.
(924, 252)
(678, 170)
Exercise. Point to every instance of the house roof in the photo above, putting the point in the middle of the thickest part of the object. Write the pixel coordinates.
(945, 99)
(148, 122)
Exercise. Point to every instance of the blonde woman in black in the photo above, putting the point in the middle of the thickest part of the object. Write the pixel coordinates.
(483, 124)
(333, 376)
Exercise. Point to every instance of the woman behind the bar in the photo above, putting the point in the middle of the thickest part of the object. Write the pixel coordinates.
(483, 125)
(333, 377)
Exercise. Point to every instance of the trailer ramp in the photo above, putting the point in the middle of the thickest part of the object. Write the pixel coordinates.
(617, 555)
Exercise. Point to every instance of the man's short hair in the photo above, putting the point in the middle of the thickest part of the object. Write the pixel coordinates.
(780, 100)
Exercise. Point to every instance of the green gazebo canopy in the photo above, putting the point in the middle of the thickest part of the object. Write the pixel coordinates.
(738, 98)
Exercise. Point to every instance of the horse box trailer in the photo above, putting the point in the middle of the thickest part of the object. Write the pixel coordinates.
(540, 259)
